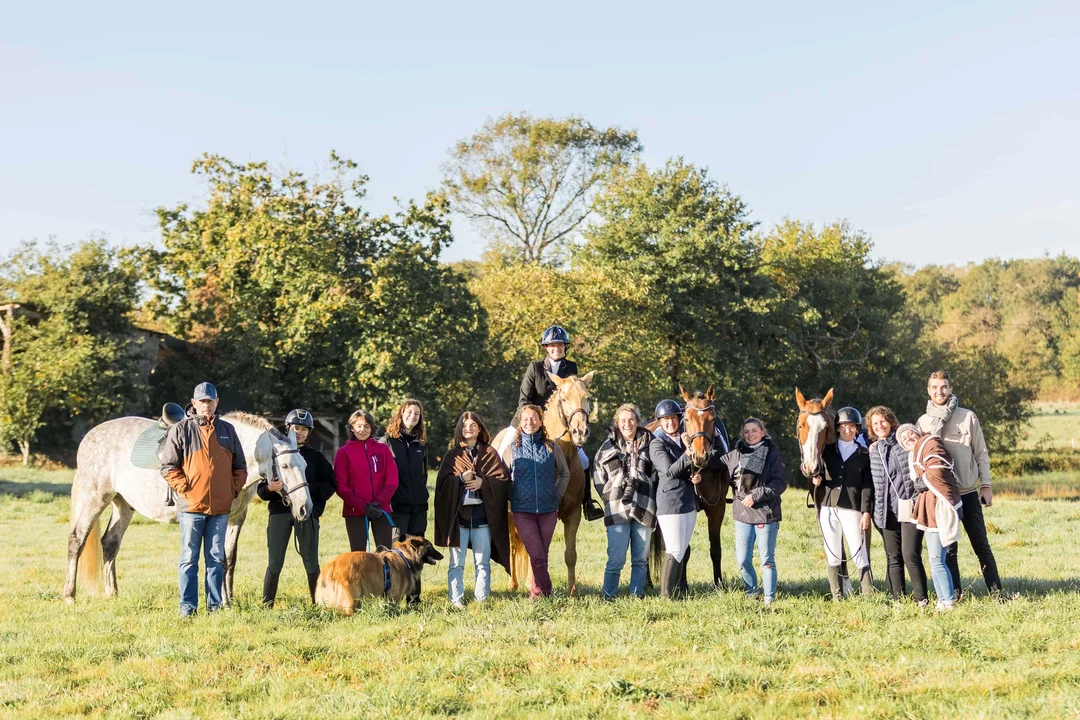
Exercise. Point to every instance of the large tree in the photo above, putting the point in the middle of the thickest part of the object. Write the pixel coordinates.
(73, 359)
(528, 182)
(297, 296)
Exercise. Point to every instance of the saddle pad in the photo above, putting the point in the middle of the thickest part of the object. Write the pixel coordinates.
(144, 453)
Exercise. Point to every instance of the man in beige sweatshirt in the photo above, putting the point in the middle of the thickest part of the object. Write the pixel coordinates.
(963, 437)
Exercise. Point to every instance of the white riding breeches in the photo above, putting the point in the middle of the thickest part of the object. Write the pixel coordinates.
(676, 531)
(838, 524)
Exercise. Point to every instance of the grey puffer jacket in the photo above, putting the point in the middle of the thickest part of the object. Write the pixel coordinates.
(623, 476)
(889, 468)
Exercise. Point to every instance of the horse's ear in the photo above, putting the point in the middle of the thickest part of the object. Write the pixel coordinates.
(555, 379)
(710, 393)
(292, 437)
(799, 399)
(828, 399)
(682, 391)
(587, 377)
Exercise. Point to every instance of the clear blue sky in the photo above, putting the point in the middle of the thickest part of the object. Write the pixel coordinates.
(949, 134)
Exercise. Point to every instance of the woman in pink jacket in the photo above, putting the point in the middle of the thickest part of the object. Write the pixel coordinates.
(366, 478)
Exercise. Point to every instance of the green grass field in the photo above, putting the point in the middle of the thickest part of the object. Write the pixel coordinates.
(1055, 425)
(716, 655)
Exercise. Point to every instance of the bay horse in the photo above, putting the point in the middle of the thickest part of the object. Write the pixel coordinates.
(105, 474)
(702, 432)
(815, 429)
(566, 420)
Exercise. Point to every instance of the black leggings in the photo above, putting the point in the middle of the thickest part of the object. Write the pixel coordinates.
(357, 529)
(410, 521)
(975, 527)
(279, 528)
(903, 547)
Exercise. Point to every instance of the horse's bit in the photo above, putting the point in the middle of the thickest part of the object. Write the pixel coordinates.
(566, 420)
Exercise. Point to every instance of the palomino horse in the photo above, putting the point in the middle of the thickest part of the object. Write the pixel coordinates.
(105, 474)
(702, 434)
(566, 420)
(815, 429)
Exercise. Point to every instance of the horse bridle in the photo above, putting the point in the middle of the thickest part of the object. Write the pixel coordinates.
(566, 420)
(275, 474)
(709, 440)
(821, 452)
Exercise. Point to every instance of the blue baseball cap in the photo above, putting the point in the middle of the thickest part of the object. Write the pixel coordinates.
(204, 391)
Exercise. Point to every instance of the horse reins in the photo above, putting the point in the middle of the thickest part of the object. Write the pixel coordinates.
(566, 420)
(709, 440)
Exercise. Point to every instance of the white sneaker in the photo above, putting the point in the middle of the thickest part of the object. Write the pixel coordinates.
(944, 606)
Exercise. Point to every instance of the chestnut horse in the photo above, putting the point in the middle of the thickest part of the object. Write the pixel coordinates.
(815, 429)
(703, 432)
(566, 420)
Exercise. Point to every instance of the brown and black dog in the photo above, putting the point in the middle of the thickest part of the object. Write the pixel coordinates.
(392, 574)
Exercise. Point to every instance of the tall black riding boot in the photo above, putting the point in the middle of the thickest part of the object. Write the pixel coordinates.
(669, 576)
(312, 581)
(684, 588)
(866, 579)
(834, 583)
(270, 582)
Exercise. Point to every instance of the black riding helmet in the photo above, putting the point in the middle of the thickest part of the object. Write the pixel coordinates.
(667, 407)
(300, 417)
(848, 415)
(555, 334)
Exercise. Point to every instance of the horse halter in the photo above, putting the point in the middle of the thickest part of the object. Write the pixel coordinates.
(275, 474)
(821, 450)
(709, 438)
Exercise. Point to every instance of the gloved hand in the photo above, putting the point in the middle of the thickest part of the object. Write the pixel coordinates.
(373, 511)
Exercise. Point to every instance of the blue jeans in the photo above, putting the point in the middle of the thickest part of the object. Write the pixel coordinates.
(207, 531)
(939, 571)
(631, 535)
(480, 539)
(765, 534)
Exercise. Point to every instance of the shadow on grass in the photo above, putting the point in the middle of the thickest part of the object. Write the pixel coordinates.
(25, 489)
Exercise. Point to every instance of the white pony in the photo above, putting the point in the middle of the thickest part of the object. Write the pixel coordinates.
(105, 474)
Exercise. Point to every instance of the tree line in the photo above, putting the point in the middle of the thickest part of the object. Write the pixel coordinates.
(289, 292)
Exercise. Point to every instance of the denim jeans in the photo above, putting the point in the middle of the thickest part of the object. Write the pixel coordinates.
(765, 534)
(939, 571)
(631, 535)
(208, 532)
(480, 539)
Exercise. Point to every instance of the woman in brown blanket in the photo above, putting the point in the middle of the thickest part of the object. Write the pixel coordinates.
(470, 507)
(937, 505)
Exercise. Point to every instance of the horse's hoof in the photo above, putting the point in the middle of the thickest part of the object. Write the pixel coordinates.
(69, 599)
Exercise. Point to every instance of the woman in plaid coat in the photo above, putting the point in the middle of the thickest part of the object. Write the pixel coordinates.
(623, 476)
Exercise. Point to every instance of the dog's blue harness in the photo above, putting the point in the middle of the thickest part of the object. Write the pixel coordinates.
(386, 570)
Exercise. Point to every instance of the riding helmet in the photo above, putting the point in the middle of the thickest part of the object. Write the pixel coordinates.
(299, 417)
(555, 334)
(848, 415)
(667, 407)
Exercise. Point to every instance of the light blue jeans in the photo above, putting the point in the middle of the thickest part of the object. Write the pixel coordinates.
(635, 536)
(208, 533)
(480, 539)
(939, 571)
(765, 534)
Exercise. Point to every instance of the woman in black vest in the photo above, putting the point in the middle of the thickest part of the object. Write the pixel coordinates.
(406, 436)
(846, 499)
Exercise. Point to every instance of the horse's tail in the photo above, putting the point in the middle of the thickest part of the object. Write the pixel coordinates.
(88, 569)
(656, 558)
(519, 557)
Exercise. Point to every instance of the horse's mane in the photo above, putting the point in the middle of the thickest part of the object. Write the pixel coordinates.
(697, 395)
(246, 418)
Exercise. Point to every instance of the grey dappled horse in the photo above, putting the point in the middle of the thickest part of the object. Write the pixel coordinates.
(106, 475)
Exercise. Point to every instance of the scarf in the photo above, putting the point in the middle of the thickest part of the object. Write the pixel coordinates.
(752, 457)
(940, 414)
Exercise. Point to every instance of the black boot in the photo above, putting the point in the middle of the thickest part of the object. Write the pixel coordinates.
(270, 581)
(684, 588)
(866, 579)
(312, 581)
(669, 576)
(834, 583)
